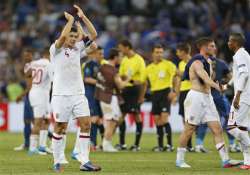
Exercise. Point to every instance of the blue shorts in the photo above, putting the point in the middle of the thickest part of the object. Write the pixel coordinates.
(28, 112)
(94, 106)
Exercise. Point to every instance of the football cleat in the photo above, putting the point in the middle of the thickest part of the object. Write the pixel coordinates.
(20, 148)
(182, 164)
(201, 149)
(244, 167)
(231, 163)
(89, 167)
(58, 168)
(76, 156)
(158, 149)
(190, 149)
(169, 148)
(134, 148)
(36, 151)
(121, 147)
(45, 150)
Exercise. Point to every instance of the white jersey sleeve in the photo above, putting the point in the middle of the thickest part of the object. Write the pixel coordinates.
(241, 74)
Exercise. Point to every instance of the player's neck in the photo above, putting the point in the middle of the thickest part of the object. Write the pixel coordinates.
(112, 63)
(187, 58)
(236, 49)
(130, 54)
(206, 56)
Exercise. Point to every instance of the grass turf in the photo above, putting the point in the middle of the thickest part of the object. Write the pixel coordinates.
(122, 163)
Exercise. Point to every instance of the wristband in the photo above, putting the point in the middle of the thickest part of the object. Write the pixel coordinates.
(87, 41)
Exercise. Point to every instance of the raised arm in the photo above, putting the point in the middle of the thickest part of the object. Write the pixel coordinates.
(67, 28)
(89, 25)
(80, 31)
(199, 69)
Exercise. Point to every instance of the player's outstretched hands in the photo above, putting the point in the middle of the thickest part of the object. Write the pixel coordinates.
(68, 16)
(79, 11)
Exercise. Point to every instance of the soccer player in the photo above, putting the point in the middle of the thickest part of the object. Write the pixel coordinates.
(132, 67)
(238, 119)
(68, 90)
(107, 91)
(222, 74)
(39, 100)
(27, 56)
(183, 51)
(90, 70)
(160, 74)
(199, 106)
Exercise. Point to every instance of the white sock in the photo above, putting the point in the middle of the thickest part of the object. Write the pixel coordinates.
(180, 154)
(84, 143)
(77, 147)
(43, 138)
(222, 151)
(246, 153)
(57, 145)
(33, 142)
(64, 140)
(105, 142)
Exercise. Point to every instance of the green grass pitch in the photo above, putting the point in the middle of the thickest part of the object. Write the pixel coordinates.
(122, 163)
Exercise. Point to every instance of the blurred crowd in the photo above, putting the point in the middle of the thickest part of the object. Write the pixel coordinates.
(36, 23)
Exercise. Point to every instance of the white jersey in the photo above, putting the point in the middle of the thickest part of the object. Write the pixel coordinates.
(67, 78)
(241, 63)
(41, 74)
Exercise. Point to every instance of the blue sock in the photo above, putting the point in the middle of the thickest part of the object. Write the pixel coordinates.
(93, 133)
(26, 134)
(200, 134)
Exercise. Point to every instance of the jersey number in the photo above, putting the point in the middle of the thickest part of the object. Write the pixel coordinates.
(37, 75)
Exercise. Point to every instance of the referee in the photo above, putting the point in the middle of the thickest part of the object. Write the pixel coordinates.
(161, 75)
(132, 67)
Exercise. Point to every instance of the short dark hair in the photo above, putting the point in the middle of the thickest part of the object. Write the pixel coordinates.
(45, 51)
(186, 47)
(99, 48)
(73, 29)
(28, 49)
(157, 46)
(203, 41)
(113, 53)
(239, 38)
(126, 43)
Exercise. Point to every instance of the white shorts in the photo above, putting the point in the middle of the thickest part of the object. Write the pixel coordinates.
(39, 101)
(239, 117)
(71, 106)
(200, 108)
(111, 111)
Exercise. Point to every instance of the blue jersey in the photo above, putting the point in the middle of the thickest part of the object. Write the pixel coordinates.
(90, 70)
(221, 102)
(221, 70)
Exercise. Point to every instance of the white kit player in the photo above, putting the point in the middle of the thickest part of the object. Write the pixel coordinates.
(199, 105)
(68, 99)
(238, 120)
(39, 100)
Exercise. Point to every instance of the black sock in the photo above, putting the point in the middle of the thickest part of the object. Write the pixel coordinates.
(169, 133)
(160, 135)
(189, 144)
(138, 133)
(122, 132)
(101, 130)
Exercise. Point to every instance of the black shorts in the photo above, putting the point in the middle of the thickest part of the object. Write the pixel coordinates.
(182, 98)
(160, 101)
(131, 97)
